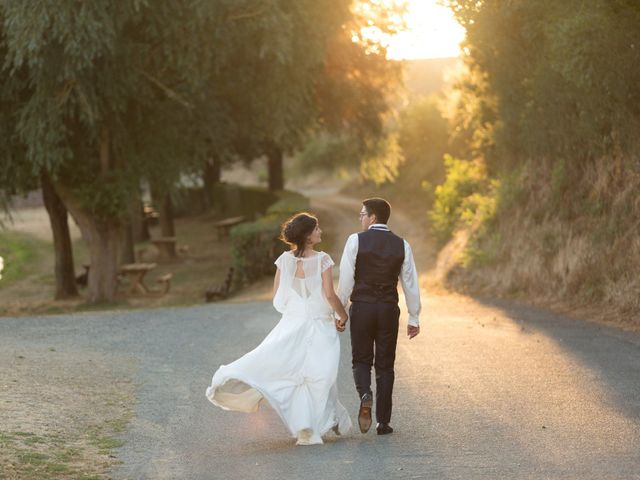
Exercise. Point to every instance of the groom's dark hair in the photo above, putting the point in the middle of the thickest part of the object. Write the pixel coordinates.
(378, 206)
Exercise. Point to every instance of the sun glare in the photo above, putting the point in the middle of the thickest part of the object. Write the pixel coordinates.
(432, 32)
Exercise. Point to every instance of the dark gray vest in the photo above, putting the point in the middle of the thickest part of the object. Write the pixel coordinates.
(378, 265)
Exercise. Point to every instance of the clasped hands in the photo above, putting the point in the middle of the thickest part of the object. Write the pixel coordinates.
(341, 323)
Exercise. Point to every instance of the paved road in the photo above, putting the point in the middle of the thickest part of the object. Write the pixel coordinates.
(488, 391)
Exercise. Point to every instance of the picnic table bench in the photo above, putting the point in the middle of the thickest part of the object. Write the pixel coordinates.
(166, 246)
(136, 272)
(220, 292)
(224, 226)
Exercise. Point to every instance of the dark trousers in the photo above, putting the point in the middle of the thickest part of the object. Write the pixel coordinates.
(374, 334)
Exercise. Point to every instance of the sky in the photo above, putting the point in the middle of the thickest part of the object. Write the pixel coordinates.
(432, 32)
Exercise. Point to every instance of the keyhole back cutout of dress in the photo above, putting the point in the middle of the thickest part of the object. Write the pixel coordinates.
(299, 269)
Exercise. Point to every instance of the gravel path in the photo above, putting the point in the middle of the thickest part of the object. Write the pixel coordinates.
(487, 391)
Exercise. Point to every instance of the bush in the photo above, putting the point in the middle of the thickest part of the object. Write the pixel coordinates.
(228, 200)
(288, 204)
(188, 201)
(465, 193)
(255, 245)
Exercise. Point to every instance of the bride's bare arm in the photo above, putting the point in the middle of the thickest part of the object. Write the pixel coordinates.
(332, 298)
(276, 282)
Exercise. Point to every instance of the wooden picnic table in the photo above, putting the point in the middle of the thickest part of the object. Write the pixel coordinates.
(136, 272)
(166, 246)
(224, 226)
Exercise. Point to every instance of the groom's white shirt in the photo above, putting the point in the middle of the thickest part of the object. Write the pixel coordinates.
(408, 275)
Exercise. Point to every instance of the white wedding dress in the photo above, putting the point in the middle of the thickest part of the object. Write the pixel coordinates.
(296, 366)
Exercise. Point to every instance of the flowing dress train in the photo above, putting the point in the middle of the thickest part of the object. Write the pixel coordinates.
(295, 368)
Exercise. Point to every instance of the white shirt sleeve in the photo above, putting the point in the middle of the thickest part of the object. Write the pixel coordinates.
(410, 285)
(348, 269)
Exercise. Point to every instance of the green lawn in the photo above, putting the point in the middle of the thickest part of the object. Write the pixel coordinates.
(20, 252)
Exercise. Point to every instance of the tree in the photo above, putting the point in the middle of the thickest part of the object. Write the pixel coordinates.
(77, 80)
(354, 94)
(103, 95)
(561, 77)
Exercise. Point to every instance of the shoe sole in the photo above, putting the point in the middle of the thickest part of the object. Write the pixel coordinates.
(364, 416)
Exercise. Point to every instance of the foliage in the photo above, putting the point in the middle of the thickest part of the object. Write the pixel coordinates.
(130, 68)
(566, 76)
(288, 204)
(17, 254)
(355, 90)
(465, 196)
(256, 245)
(550, 102)
(382, 163)
(423, 134)
(328, 152)
(104, 95)
(242, 200)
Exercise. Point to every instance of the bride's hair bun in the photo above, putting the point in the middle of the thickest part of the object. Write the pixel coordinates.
(297, 229)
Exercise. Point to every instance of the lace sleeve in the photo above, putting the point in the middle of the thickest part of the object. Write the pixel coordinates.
(280, 260)
(326, 262)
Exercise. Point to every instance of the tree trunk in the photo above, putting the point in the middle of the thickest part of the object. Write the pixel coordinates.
(134, 224)
(103, 238)
(211, 176)
(64, 268)
(276, 174)
(139, 223)
(127, 254)
(167, 227)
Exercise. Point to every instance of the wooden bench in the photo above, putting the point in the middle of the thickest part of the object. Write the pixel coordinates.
(150, 215)
(135, 272)
(165, 282)
(220, 292)
(224, 226)
(166, 246)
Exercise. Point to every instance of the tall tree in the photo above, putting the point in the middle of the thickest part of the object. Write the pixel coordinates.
(64, 267)
(102, 95)
(356, 89)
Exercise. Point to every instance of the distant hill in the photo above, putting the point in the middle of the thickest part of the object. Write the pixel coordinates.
(427, 76)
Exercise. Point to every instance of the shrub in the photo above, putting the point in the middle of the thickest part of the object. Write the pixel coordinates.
(288, 204)
(255, 245)
(464, 193)
(228, 200)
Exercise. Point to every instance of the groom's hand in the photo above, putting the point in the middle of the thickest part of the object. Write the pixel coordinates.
(340, 324)
(412, 331)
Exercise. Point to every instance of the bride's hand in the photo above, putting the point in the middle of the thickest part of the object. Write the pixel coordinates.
(340, 324)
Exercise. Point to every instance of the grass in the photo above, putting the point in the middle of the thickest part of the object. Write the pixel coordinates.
(87, 455)
(29, 286)
(33, 458)
(29, 456)
(106, 443)
(20, 253)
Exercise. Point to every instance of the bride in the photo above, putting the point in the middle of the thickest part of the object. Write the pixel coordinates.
(296, 366)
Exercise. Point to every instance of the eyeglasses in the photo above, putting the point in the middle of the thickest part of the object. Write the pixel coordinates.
(363, 214)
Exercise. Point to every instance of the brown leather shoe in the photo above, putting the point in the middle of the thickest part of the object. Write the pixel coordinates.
(364, 415)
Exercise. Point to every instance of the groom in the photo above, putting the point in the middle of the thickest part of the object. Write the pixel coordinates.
(371, 264)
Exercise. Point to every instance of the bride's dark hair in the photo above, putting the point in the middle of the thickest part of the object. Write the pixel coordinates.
(296, 231)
